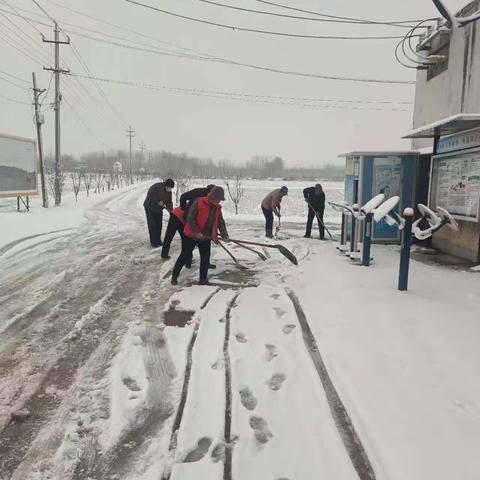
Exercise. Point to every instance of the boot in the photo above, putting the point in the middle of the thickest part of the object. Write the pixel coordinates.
(174, 281)
(211, 266)
(269, 234)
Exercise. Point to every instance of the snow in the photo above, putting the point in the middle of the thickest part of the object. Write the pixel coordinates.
(404, 364)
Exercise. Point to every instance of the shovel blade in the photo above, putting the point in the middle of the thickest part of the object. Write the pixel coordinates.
(287, 254)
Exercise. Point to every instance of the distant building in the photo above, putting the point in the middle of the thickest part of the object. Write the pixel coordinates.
(117, 167)
(447, 121)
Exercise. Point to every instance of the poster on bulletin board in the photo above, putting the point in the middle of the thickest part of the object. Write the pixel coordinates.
(456, 185)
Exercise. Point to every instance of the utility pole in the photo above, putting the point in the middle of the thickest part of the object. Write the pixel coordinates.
(142, 147)
(130, 133)
(38, 122)
(58, 98)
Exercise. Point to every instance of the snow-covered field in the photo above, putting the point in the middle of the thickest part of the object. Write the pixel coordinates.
(276, 372)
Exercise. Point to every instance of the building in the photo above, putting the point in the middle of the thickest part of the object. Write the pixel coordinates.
(447, 119)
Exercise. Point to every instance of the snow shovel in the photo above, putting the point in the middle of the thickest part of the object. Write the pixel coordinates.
(283, 250)
(237, 263)
(320, 220)
(277, 228)
(261, 255)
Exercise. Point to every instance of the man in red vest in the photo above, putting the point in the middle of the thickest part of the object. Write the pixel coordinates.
(203, 223)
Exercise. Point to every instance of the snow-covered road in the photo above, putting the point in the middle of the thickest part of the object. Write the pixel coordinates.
(276, 372)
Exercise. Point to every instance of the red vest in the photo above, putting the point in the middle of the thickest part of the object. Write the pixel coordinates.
(204, 206)
(179, 213)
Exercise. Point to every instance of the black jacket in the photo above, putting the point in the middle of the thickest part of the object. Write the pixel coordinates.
(189, 197)
(156, 194)
(316, 201)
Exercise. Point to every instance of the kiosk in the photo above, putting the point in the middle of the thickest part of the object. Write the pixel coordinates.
(368, 174)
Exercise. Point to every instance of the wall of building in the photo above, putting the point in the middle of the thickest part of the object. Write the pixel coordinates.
(455, 90)
(464, 244)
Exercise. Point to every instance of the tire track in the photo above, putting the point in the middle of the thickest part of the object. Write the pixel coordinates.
(186, 383)
(343, 422)
(227, 466)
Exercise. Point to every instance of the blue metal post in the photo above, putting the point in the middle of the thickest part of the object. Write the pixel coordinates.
(367, 239)
(353, 231)
(405, 253)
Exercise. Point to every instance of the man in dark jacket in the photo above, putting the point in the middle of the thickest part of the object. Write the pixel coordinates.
(189, 197)
(159, 196)
(315, 198)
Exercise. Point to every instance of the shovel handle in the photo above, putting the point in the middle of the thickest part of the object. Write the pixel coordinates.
(246, 242)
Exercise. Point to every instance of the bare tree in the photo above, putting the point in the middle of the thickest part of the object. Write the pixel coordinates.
(235, 189)
(76, 178)
(99, 181)
(88, 179)
(53, 178)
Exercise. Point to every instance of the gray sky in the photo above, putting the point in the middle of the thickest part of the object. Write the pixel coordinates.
(212, 127)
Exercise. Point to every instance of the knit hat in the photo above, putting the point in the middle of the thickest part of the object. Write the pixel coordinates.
(217, 193)
(284, 190)
(170, 183)
(209, 187)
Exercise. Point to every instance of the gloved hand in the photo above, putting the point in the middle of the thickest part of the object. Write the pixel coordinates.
(161, 204)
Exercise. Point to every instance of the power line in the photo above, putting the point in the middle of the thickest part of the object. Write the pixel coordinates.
(13, 100)
(84, 123)
(226, 61)
(297, 17)
(21, 87)
(19, 49)
(15, 77)
(263, 32)
(357, 20)
(252, 98)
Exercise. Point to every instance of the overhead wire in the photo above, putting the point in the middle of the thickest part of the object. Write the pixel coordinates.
(226, 61)
(298, 17)
(14, 100)
(357, 20)
(15, 77)
(255, 98)
(260, 31)
(21, 87)
(85, 67)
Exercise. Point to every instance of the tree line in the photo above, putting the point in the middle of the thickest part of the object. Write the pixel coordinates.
(181, 165)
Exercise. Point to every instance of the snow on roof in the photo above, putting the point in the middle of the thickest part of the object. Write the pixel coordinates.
(447, 126)
(376, 153)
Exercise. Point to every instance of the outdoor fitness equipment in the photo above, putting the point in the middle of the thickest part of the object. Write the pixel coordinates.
(436, 220)
(360, 226)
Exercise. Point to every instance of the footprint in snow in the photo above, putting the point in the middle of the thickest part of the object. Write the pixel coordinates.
(272, 351)
(248, 399)
(279, 312)
(219, 364)
(199, 452)
(241, 338)
(275, 383)
(288, 328)
(131, 384)
(260, 429)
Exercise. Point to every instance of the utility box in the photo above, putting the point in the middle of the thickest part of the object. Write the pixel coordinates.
(392, 173)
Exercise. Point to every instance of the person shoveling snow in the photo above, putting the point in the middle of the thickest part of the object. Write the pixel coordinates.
(204, 221)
